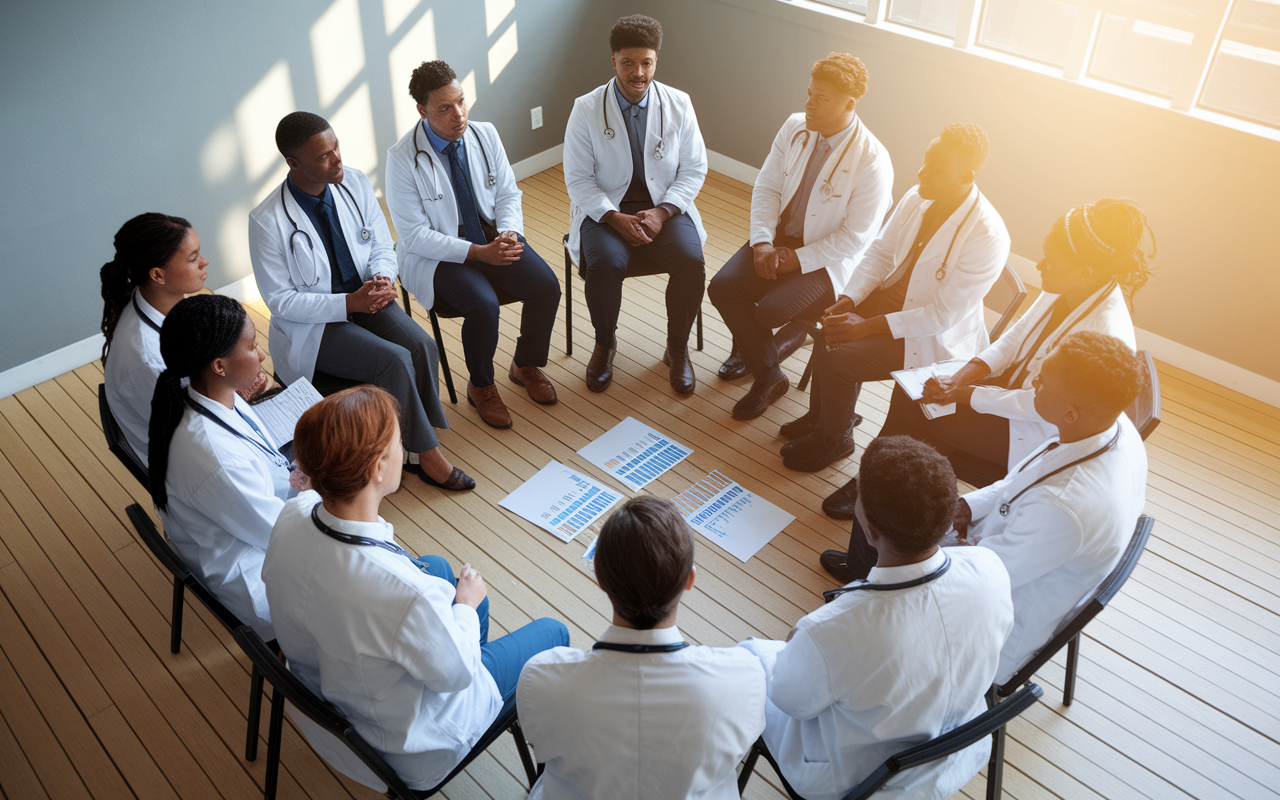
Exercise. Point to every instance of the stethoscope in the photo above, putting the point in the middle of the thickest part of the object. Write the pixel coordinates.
(827, 187)
(1022, 360)
(1004, 507)
(832, 594)
(150, 323)
(364, 541)
(418, 151)
(365, 233)
(659, 149)
(942, 270)
(275, 455)
(640, 648)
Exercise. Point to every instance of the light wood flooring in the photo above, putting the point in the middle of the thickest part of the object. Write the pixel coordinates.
(1178, 684)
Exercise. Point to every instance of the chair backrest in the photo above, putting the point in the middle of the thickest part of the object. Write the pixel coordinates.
(1101, 596)
(1005, 296)
(953, 741)
(117, 444)
(162, 550)
(1145, 409)
(317, 709)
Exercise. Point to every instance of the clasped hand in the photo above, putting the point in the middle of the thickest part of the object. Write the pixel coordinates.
(372, 297)
(770, 261)
(639, 228)
(471, 590)
(505, 249)
(840, 324)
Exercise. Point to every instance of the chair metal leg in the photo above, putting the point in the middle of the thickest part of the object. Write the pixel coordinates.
(255, 713)
(404, 297)
(1073, 658)
(995, 767)
(443, 356)
(699, 327)
(274, 732)
(749, 766)
(522, 747)
(808, 369)
(568, 301)
(175, 626)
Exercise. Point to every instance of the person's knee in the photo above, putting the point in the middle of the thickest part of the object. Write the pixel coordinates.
(393, 363)
(724, 290)
(556, 631)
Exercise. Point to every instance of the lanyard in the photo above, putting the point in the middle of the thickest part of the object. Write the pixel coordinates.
(832, 594)
(640, 648)
(145, 319)
(1004, 507)
(362, 541)
(1019, 367)
(275, 455)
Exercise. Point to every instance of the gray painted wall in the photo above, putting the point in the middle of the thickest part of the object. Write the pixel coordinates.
(112, 109)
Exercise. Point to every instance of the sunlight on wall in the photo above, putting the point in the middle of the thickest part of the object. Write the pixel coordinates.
(502, 52)
(257, 116)
(469, 91)
(233, 239)
(337, 48)
(271, 183)
(353, 123)
(418, 45)
(219, 155)
(395, 12)
(495, 11)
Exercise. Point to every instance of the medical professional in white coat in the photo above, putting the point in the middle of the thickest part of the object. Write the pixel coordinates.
(325, 264)
(643, 714)
(914, 299)
(819, 199)
(634, 160)
(1061, 519)
(897, 659)
(456, 208)
(1094, 261)
(157, 262)
(217, 477)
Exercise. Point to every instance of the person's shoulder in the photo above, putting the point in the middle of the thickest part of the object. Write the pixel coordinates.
(591, 99)
(268, 205)
(553, 666)
(678, 95)
(977, 559)
(792, 124)
(355, 179)
(486, 131)
(735, 661)
(405, 144)
(871, 145)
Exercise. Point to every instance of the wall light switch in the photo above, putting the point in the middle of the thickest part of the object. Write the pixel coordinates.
(536, 115)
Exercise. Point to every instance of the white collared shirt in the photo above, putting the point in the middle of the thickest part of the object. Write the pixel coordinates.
(612, 725)
(133, 364)
(873, 673)
(1065, 535)
(366, 630)
(224, 496)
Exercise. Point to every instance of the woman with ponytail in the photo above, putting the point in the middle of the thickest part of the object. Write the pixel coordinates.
(398, 643)
(217, 477)
(157, 263)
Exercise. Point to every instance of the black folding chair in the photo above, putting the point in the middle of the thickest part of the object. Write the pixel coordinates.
(286, 686)
(582, 272)
(442, 310)
(988, 723)
(117, 444)
(183, 580)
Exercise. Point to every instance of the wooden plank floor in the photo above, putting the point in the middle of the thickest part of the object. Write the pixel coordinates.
(1178, 685)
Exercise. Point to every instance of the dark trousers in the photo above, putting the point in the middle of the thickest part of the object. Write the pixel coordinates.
(752, 306)
(862, 556)
(391, 351)
(839, 374)
(471, 289)
(976, 444)
(607, 259)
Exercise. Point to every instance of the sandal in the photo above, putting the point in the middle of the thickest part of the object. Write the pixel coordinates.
(459, 481)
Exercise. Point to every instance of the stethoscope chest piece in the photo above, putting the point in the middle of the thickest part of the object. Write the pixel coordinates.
(941, 273)
(659, 150)
(608, 133)
(1004, 507)
(365, 234)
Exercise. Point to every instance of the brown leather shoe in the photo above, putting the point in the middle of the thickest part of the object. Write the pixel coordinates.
(489, 404)
(681, 374)
(600, 368)
(535, 381)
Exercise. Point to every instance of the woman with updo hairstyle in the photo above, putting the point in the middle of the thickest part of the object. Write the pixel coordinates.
(157, 263)
(217, 477)
(398, 643)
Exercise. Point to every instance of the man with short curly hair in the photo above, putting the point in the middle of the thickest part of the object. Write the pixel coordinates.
(634, 161)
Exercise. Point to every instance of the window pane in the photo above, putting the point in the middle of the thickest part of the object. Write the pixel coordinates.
(1260, 14)
(1035, 29)
(938, 16)
(1181, 6)
(1139, 54)
(1245, 81)
(859, 6)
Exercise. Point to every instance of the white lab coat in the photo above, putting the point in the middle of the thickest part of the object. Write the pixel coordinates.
(597, 171)
(1065, 535)
(133, 365)
(1027, 430)
(366, 630)
(224, 496)
(634, 726)
(839, 229)
(424, 208)
(940, 319)
(873, 673)
(295, 282)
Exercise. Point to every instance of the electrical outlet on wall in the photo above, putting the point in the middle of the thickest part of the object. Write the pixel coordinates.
(536, 115)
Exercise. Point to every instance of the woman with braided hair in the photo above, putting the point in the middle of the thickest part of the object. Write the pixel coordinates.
(1095, 259)
(217, 477)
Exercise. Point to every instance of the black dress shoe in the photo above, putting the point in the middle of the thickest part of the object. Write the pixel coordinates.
(799, 428)
(819, 452)
(681, 374)
(600, 368)
(756, 400)
(733, 367)
(839, 504)
(836, 562)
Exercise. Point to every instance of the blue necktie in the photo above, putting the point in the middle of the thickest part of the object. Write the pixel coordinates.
(467, 213)
(344, 279)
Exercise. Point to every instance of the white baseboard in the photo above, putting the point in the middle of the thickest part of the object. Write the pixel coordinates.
(538, 162)
(1210, 368)
(731, 167)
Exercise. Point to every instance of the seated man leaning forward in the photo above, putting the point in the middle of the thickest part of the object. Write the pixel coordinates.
(324, 260)
(817, 204)
(899, 659)
(450, 191)
(633, 163)
(643, 715)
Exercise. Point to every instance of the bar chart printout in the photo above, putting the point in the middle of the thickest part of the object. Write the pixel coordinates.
(634, 453)
(729, 515)
(560, 500)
